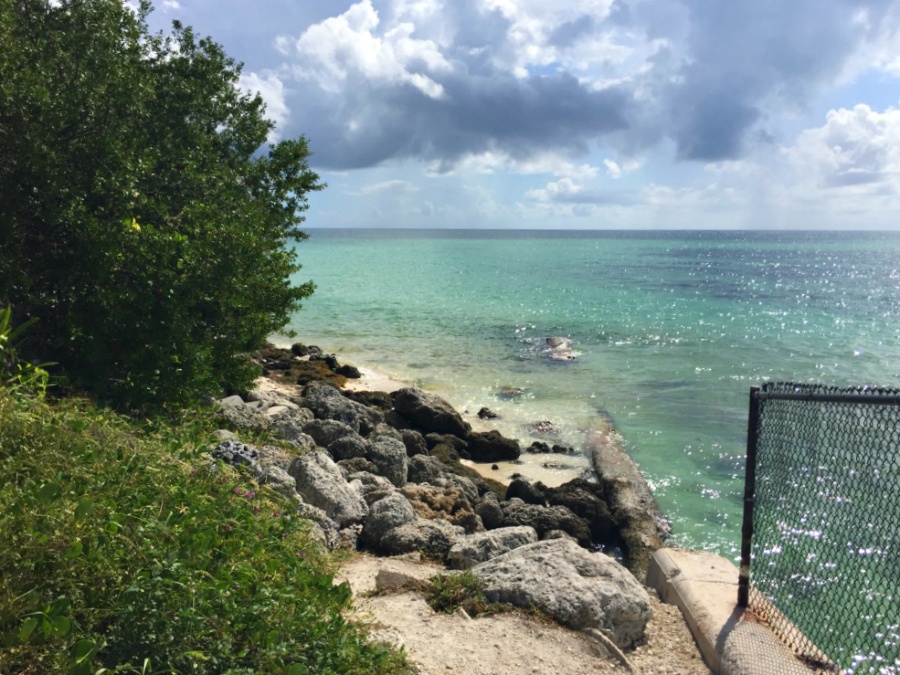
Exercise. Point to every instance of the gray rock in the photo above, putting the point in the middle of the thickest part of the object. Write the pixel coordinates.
(389, 455)
(237, 454)
(326, 432)
(349, 446)
(483, 546)
(367, 483)
(414, 442)
(320, 483)
(355, 465)
(425, 469)
(428, 412)
(290, 423)
(432, 537)
(327, 403)
(578, 588)
(242, 415)
(392, 511)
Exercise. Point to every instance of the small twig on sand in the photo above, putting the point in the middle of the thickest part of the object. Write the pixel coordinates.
(611, 647)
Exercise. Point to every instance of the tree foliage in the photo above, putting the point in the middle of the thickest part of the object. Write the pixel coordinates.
(142, 220)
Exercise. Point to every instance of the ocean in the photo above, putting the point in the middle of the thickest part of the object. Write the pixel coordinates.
(669, 330)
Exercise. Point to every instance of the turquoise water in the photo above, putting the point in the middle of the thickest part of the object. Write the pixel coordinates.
(671, 330)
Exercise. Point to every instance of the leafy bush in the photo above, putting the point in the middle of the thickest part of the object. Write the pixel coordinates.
(139, 218)
(18, 376)
(451, 591)
(122, 550)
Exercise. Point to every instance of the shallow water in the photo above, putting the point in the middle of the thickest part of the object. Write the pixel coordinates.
(670, 330)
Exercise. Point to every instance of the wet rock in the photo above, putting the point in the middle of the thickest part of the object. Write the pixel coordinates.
(491, 446)
(544, 427)
(559, 349)
(379, 400)
(488, 509)
(432, 440)
(299, 349)
(546, 518)
(428, 412)
(578, 588)
(526, 491)
(350, 372)
(487, 414)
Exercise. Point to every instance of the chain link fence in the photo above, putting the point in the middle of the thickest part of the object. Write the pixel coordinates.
(821, 550)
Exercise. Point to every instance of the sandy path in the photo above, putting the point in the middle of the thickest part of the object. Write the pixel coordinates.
(507, 642)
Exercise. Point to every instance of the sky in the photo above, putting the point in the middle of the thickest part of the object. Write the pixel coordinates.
(582, 114)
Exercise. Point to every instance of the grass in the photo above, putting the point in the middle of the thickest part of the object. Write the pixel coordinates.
(448, 592)
(124, 551)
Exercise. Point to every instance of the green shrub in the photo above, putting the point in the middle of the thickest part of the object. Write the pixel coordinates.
(451, 591)
(18, 376)
(123, 550)
(142, 218)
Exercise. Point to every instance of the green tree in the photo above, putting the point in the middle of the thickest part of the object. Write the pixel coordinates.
(144, 219)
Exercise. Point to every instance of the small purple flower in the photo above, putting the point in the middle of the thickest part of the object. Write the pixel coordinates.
(237, 490)
(228, 528)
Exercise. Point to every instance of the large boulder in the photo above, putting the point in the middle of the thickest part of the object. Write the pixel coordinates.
(389, 455)
(488, 509)
(578, 588)
(428, 412)
(431, 537)
(629, 498)
(546, 519)
(321, 483)
(392, 511)
(491, 446)
(328, 403)
(480, 547)
(325, 432)
(425, 469)
(585, 499)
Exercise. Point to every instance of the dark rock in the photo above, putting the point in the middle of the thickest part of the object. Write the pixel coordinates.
(329, 359)
(488, 509)
(314, 350)
(487, 414)
(509, 393)
(299, 349)
(538, 447)
(428, 412)
(491, 446)
(379, 400)
(236, 453)
(494, 467)
(455, 442)
(357, 465)
(446, 453)
(350, 372)
(526, 491)
(348, 447)
(585, 499)
(397, 420)
(562, 449)
(414, 442)
(544, 427)
(547, 518)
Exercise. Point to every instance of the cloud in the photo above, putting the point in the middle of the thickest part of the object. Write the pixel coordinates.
(515, 84)
(857, 149)
(273, 93)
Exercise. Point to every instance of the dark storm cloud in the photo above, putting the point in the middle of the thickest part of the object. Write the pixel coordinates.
(720, 70)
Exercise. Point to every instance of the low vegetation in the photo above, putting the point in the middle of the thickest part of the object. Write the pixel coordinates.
(449, 592)
(125, 551)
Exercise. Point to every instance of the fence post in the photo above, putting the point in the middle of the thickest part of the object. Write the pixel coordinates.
(749, 493)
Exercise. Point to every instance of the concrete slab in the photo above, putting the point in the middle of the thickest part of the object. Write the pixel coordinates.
(704, 587)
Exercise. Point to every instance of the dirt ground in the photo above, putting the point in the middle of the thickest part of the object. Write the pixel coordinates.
(504, 642)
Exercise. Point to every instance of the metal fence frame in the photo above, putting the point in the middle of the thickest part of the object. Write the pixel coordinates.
(747, 595)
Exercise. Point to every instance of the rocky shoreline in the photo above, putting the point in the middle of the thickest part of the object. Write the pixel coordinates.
(382, 472)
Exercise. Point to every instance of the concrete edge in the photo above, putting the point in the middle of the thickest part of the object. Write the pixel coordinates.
(703, 586)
